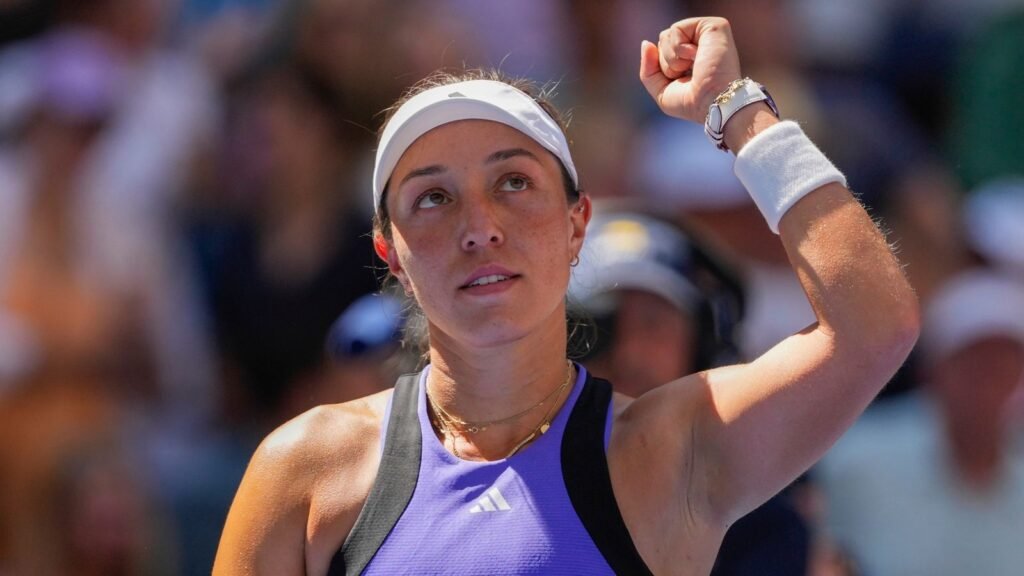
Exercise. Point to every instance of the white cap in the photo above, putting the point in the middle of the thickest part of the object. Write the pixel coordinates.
(971, 306)
(630, 251)
(469, 100)
(993, 217)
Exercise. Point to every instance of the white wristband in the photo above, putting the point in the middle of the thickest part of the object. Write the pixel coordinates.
(781, 165)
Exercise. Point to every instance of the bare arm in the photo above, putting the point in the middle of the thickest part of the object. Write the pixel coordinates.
(765, 422)
(757, 426)
(265, 529)
(303, 491)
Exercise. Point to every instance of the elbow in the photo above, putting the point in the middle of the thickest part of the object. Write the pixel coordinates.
(903, 335)
(912, 321)
(892, 341)
(886, 337)
(906, 324)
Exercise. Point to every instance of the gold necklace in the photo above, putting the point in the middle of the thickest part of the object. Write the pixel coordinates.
(445, 420)
(443, 425)
(476, 427)
(544, 426)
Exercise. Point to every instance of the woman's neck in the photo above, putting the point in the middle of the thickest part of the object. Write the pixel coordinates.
(490, 384)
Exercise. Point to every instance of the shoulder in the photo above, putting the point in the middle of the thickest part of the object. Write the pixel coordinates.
(324, 434)
(303, 489)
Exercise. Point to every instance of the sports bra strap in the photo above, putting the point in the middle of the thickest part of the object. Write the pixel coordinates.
(393, 486)
(585, 470)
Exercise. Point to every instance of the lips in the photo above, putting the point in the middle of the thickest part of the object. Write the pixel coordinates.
(488, 275)
(492, 279)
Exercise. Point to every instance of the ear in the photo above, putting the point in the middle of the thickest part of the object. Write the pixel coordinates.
(579, 216)
(385, 250)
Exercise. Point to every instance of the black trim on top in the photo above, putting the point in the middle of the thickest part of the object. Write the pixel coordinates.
(393, 487)
(585, 470)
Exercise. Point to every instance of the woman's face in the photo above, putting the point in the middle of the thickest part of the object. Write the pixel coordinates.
(482, 234)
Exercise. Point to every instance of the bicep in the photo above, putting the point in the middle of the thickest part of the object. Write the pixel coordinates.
(265, 528)
(760, 425)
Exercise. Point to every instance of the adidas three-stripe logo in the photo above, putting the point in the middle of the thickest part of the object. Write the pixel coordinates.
(491, 501)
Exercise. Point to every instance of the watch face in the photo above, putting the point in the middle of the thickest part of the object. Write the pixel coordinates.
(715, 119)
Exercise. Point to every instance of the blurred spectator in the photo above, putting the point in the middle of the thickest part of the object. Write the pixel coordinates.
(993, 216)
(603, 42)
(298, 253)
(87, 193)
(227, 34)
(62, 313)
(363, 355)
(934, 483)
(920, 213)
(75, 498)
(97, 303)
(367, 51)
(666, 306)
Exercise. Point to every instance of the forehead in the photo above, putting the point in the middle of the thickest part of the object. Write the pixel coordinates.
(467, 142)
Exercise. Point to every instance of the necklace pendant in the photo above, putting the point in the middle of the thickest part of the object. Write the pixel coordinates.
(544, 427)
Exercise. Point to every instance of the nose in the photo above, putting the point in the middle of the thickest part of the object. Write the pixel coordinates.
(482, 227)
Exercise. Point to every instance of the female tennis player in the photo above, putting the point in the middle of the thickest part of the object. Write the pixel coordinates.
(503, 457)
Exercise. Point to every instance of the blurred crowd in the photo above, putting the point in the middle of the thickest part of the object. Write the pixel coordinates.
(185, 259)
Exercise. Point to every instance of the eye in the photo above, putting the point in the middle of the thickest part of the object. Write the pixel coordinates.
(431, 199)
(515, 183)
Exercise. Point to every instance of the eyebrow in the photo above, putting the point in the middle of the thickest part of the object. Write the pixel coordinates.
(425, 171)
(511, 153)
(495, 157)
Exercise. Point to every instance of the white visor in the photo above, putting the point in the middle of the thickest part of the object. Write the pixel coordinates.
(470, 100)
(971, 306)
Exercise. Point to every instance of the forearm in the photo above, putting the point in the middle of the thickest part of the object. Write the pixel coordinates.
(854, 283)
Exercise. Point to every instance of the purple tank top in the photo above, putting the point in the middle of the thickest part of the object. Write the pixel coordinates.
(511, 516)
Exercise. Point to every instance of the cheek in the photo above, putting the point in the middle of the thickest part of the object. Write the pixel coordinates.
(423, 267)
(550, 230)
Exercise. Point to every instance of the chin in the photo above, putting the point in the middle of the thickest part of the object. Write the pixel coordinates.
(496, 333)
(498, 323)
(490, 330)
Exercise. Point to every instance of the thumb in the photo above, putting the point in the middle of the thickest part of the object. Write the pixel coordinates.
(650, 71)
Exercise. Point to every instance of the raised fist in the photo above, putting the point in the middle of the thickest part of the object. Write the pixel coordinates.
(695, 60)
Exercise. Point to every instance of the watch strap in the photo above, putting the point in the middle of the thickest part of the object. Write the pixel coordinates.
(738, 95)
